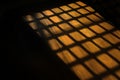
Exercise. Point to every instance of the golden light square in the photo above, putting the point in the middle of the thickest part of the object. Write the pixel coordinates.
(55, 19)
(90, 9)
(54, 44)
(74, 13)
(65, 8)
(57, 10)
(83, 11)
(48, 12)
(39, 15)
(115, 53)
(107, 25)
(98, 15)
(96, 67)
(29, 18)
(97, 29)
(101, 42)
(66, 40)
(55, 30)
(118, 73)
(81, 72)
(107, 61)
(111, 38)
(110, 77)
(85, 20)
(46, 33)
(65, 16)
(77, 36)
(75, 23)
(87, 32)
(94, 17)
(65, 26)
(90, 47)
(73, 5)
(79, 52)
(66, 57)
(46, 21)
(81, 3)
(117, 33)
(33, 25)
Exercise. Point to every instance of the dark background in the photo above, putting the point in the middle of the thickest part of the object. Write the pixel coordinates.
(26, 56)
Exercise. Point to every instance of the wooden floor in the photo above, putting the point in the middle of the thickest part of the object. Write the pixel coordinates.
(82, 39)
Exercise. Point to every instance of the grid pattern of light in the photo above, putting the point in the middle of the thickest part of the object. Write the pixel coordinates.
(82, 39)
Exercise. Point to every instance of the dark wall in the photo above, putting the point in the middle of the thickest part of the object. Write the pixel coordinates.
(24, 56)
(110, 9)
(7, 5)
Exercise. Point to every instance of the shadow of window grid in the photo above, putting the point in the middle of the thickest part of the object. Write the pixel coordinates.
(81, 37)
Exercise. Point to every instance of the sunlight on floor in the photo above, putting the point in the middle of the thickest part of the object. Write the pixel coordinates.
(82, 39)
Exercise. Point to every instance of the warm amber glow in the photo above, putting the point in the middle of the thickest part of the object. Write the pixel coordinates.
(110, 77)
(91, 47)
(46, 22)
(85, 20)
(29, 18)
(107, 61)
(106, 25)
(66, 40)
(118, 73)
(81, 3)
(75, 23)
(46, 33)
(66, 56)
(87, 32)
(117, 33)
(33, 25)
(54, 44)
(77, 36)
(94, 18)
(81, 39)
(97, 14)
(111, 38)
(90, 9)
(96, 67)
(65, 26)
(101, 42)
(83, 11)
(48, 12)
(57, 10)
(65, 16)
(39, 15)
(115, 53)
(65, 8)
(81, 72)
(73, 5)
(97, 29)
(55, 30)
(55, 19)
(79, 52)
(74, 14)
